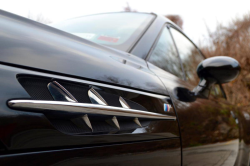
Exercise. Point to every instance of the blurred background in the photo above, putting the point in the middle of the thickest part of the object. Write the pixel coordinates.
(217, 27)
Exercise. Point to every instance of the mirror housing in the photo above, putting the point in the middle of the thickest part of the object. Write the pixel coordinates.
(215, 70)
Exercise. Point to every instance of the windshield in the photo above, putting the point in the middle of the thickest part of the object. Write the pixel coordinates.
(117, 30)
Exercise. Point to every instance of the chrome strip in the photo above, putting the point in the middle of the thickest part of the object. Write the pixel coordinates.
(70, 107)
(124, 103)
(96, 98)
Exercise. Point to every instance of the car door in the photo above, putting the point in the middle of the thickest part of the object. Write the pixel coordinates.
(209, 132)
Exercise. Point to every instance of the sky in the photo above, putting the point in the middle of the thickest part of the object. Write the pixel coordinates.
(197, 15)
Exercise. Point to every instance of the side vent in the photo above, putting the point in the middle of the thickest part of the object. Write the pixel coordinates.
(76, 108)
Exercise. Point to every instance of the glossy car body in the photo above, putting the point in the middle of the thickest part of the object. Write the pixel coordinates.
(33, 55)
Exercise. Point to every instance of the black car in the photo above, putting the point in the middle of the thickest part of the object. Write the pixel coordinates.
(114, 89)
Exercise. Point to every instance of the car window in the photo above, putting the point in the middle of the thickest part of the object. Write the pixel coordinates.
(189, 56)
(164, 54)
(117, 30)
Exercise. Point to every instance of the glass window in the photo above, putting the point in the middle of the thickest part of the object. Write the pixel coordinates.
(117, 30)
(164, 54)
(189, 56)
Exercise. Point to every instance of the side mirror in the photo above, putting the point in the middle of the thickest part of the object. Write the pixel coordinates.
(215, 70)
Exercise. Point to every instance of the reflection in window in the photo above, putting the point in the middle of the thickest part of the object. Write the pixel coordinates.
(164, 55)
(189, 55)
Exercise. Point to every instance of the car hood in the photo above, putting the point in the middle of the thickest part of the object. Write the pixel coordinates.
(29, 44)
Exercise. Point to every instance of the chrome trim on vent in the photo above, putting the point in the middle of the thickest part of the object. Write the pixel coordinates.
(124, 103)
(87, 121)
(82, 121)
(96, 98)
(113, 122)
(136, 120)
(59, 93)
(70, 107)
